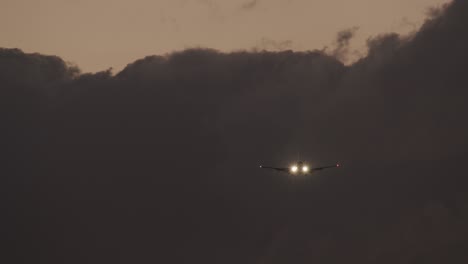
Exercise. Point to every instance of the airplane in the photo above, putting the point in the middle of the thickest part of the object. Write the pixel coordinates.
(300, 168)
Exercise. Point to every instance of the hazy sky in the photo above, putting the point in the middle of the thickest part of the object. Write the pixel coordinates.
(98, 34)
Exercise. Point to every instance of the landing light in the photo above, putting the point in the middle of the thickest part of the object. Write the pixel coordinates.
(294, 168)
(305, 169)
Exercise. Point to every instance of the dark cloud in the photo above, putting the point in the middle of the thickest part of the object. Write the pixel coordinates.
(341, 45)
(159, 162)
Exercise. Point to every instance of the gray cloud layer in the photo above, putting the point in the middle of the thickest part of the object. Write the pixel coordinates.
(159, 162)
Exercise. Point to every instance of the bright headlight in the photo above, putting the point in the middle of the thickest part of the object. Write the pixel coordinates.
(294, 168)
(305, 169)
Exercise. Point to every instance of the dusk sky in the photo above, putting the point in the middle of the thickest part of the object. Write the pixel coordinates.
(159, 160)
(98, 34)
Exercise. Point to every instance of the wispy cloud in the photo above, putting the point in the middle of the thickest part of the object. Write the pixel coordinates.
(250, 5)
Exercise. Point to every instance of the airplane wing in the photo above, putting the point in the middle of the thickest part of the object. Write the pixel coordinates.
(324, 167)
(274, 168)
